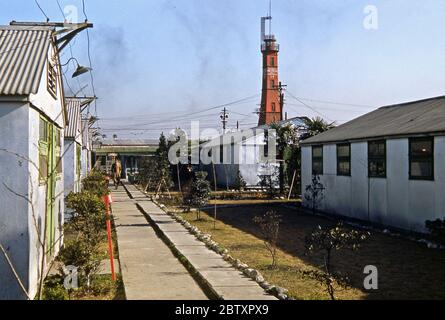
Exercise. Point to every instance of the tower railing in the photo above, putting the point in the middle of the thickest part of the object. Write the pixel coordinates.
(270, 46)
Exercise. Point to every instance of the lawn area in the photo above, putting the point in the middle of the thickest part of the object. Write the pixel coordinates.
(407, 270)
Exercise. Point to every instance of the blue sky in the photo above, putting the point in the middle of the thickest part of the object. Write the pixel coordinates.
(157, 62)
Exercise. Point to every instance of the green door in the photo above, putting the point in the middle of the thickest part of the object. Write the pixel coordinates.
(51, 188)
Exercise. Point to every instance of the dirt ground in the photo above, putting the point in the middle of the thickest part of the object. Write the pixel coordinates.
(406, 269)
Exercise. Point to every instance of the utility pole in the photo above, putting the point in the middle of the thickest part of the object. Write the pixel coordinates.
(281, 88)
(224, 119)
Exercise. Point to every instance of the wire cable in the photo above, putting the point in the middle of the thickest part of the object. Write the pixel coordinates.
(72, 56)
(308, 106)
(43, 12)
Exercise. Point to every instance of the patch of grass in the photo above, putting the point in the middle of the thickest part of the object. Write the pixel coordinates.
(251, 250)
(407, 270)
(103, 288)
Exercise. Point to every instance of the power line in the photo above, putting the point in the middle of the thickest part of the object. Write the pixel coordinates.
(72, 55)
(325, 108)
(308, 106)
(186, 113)
(89, 57)
(337, 103)
(43, 12)
(83, 9)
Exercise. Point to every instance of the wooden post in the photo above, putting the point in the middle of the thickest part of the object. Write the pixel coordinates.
(292, 185)
(214, 182)
(179, 180)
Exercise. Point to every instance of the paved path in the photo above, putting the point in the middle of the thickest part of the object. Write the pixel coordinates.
(224, 280)
(150, 271)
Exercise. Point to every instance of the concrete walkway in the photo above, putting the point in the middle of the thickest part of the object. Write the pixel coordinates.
(149, 269)
(221, 277)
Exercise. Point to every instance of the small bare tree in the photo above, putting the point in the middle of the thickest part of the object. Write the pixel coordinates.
(327, 241)
(315, 193)
(269, 224)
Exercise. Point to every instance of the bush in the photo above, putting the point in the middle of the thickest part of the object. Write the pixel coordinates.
(82, 254)
(89, 223)
(240, 183)
(200, 192)
(54, 289)
(89, 211)
(96, 183)
(437, 230)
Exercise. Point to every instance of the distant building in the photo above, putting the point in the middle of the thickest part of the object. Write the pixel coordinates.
(386, 167)
(32, 122)
(73, 147)
(243, 152)
(131, 152)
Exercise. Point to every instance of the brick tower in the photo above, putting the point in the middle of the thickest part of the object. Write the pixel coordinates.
(271, 100)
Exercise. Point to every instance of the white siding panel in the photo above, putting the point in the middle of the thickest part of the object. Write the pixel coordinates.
(395, 201)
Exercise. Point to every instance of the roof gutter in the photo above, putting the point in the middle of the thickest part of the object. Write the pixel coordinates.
(384, 137)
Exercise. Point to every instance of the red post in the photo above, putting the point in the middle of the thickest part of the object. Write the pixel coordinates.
(107, 200)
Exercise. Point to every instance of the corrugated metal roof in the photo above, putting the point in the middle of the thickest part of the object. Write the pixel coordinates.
(412, 118)
(130, 142)
(23, 53)
(126, 150)
(74, 117)
(240, 136)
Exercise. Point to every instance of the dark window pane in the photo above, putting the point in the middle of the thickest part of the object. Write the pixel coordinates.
(421, 158)
(344, 167)
(377, 168)
(317, 167)
(343, 151)
(317, 152)
(376, 149)
(421, 169)
(421, 147)
(43, 130)
(58, 165)
(43, 167)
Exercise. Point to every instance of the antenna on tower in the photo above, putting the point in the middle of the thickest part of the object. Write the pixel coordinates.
(270, 16)
(263, 23)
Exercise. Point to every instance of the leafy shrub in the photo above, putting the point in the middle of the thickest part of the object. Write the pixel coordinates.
(54, 289)
(96, 183)
(85, 256)
(437, 230)
(89, 211)
(199, 192)
(240, 183)
(89, 223)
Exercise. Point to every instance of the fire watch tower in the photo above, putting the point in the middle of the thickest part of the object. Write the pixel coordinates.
(272, 93)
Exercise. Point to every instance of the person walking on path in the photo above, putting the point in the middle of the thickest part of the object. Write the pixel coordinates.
(116, 171)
